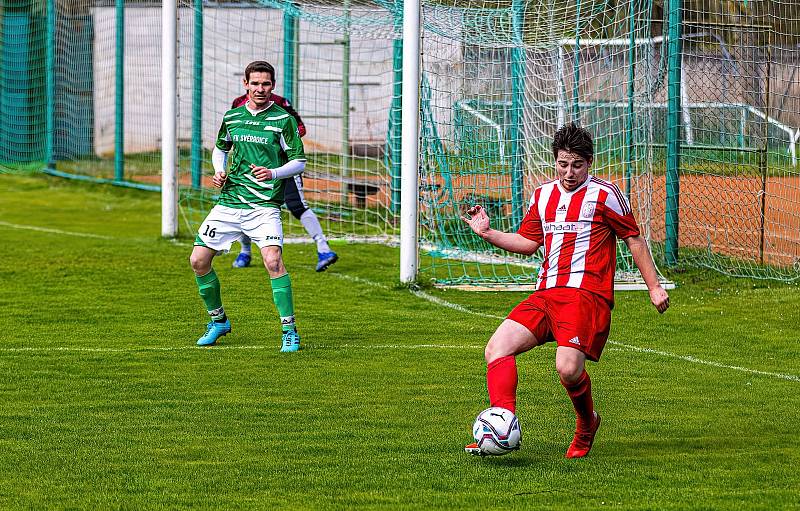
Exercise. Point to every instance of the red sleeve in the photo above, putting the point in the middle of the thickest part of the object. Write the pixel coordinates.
(287, 105)
(531, 226)
(624, 226)
(617, 213)
(241, 100)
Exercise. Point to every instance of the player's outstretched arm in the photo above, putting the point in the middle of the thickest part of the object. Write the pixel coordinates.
(644, 261)
(478, 221)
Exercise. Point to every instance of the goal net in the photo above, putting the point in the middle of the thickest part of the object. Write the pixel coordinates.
(336, 63)
(497, 82)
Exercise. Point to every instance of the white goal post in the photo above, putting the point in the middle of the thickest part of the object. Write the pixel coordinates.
(409, 191)
(169, 115)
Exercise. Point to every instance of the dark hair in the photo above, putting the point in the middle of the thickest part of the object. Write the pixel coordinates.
(259, 66)
(574, 139)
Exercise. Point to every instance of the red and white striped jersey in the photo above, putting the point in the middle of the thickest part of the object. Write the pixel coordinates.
(579, 231)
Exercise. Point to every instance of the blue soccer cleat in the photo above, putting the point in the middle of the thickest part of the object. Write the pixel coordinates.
(242, 260)
(214, 331)
(326, 259)
(290, 341)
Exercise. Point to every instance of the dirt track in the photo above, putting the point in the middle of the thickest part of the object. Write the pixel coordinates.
(721, 212)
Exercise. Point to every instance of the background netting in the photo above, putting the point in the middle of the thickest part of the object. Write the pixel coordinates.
(59, 104)
(498, 78)
(740, 186)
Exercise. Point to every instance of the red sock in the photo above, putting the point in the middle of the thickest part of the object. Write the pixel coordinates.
(580, 393)
(501, 379)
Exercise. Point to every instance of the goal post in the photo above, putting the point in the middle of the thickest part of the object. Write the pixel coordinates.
(409, 196)
(169, 139)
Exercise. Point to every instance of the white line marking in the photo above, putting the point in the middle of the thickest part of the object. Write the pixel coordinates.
(56, 231)
(75, 349)
(399, 346)
(65, 349)
(696, 360)
(621, 346)
(287, 241)
(444, 303)
(352, 278)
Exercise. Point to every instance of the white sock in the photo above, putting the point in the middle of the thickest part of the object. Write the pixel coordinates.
(311, 223)
(245, 245)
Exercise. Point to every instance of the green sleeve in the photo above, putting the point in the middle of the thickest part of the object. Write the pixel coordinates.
(224, 142)
(291, 137)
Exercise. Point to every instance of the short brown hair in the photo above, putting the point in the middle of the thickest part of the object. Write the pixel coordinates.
(259, 66)
(574, 139)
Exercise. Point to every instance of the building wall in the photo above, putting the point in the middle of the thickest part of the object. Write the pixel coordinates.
(232, 38)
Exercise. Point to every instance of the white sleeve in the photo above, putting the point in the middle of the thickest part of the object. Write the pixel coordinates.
(291, 169)
(219, 160)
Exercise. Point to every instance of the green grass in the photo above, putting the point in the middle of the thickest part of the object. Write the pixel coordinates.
(107, 404)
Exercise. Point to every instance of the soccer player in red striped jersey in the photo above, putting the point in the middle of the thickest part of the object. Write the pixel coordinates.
(294, 199)
(577, 218)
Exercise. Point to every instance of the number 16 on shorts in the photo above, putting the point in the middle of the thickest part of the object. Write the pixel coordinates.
(208, 231)
(216, 234)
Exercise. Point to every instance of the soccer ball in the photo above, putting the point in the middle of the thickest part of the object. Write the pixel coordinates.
(497, 431)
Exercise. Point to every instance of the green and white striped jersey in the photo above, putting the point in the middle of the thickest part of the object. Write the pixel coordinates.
(269, 139)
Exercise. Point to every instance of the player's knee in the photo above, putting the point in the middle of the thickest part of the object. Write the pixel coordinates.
(569, 370)
(273, 265)
(199, 265)
(273, 262)
(495, 349)
(488, 354)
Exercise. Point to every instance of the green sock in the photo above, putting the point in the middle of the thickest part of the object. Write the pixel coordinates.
(282, 296)
(209, 288)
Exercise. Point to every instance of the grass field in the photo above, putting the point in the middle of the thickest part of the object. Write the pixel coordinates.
(107, 403)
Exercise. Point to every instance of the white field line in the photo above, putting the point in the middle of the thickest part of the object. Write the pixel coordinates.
(417, 293)
(353, 278)
(459, 308)
(276, 347)
(287, 241)
(695, 360)
(619, 345)
(55, 231)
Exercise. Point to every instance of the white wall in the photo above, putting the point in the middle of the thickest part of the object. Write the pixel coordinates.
(232, 39)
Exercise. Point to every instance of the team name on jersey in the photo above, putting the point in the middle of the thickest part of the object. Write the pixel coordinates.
(235, 137)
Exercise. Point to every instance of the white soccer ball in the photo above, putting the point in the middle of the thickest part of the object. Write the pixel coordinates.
(497, 431)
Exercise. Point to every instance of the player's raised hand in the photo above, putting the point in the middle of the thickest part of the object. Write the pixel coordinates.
(660, 299)
(477, 219)
(219, 179)
(261, 173)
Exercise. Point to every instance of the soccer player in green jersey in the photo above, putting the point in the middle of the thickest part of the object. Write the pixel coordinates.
(257, 147)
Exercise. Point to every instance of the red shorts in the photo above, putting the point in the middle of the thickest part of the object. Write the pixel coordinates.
(571, 317)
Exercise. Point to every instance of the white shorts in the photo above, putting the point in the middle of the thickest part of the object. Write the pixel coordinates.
(223, 226)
